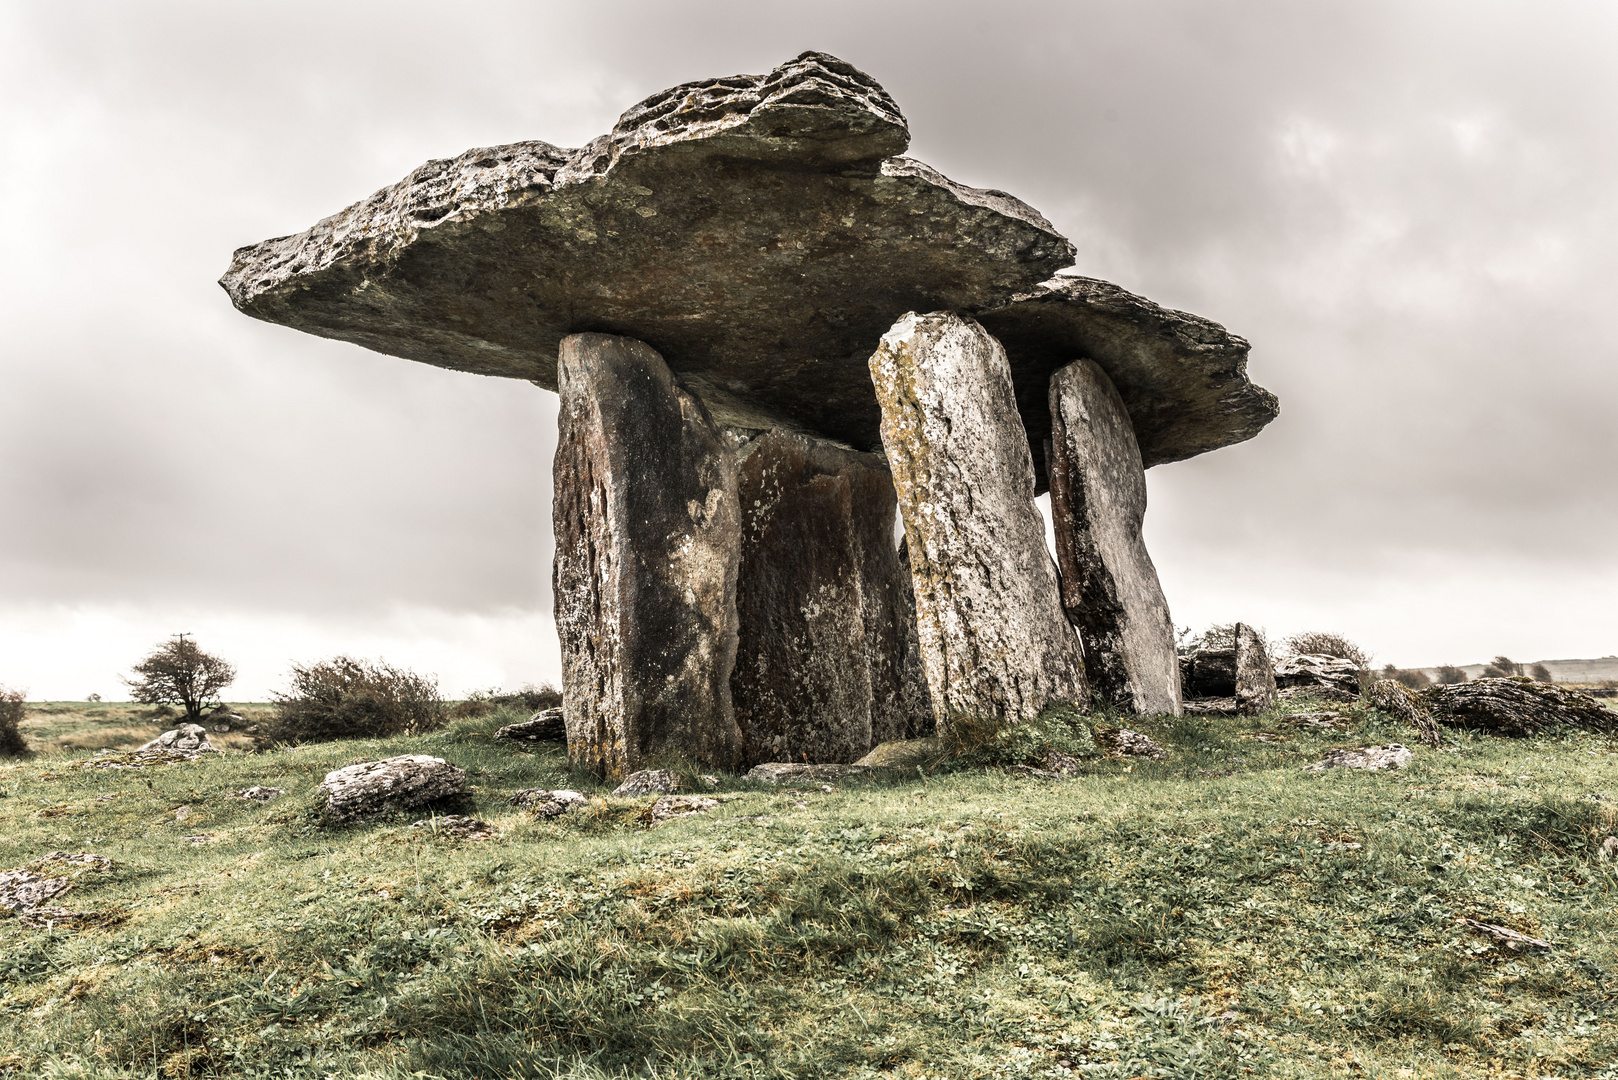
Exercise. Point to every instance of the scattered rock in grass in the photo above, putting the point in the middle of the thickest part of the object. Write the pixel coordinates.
(252, 730)
(1609, 848)
(546, 804)
(1055, 765)
(904, 754)
(1330, 695)
(544, 726)
(649, 782)
(1317, 671)
(1126, 743)
(1371, 758)
(260, 794)
(673, 806)
(1318, 721)
(457, 826)
(1398, 701)
(199, 838)
(788, 772)
(185, 739)
(182, 813)
(708, 780)
(76, 858)
(140, 759)
(1263, 736)
(24, 890)
(1511, 939)
(373, 787)
(1517, 706)
(1209, 706)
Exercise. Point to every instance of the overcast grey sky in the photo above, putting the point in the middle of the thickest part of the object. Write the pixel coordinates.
(1410, 209)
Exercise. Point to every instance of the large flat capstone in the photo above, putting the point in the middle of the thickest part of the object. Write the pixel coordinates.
(993, 638)
(761, 233)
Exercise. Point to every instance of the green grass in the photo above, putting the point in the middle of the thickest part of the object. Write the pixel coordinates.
(1198, 917)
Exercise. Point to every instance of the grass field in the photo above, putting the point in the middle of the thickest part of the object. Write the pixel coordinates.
(1217, 914)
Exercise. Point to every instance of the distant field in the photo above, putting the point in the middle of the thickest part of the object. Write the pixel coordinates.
(1221, 914)
(55, 727)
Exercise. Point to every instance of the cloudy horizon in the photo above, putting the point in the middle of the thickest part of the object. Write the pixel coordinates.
(1411, 211)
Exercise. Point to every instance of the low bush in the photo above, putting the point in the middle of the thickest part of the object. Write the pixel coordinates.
(1325, 643)
(530, 699)
(11, 713)
(345, 698)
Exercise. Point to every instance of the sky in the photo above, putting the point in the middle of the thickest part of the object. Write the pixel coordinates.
(1409, 208)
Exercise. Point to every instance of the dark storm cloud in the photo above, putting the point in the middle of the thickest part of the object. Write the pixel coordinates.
(1409, 209)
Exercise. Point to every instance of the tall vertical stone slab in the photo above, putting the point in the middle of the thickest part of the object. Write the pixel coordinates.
(1110, 589)
(648, 535)
(994, 641)
(1255, 676)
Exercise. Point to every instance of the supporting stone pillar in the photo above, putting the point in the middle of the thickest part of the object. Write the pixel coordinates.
(1255, 677)
(993, 639)
(1109, 585)
(819, 674)
(648, 532)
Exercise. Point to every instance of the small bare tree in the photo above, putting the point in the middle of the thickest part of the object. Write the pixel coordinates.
(1502, 667)
(12, 708)
(180, 673)
(1540, 673)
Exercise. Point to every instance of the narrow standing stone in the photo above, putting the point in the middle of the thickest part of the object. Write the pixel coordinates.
(1109, 585)
(648, 535)
(993, 639)
(1255, 678)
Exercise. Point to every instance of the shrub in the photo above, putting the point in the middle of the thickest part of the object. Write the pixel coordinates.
(11, 712)
(1449, 674)
(530, 698)
(1502, 667)
(345, 698)
(1060, 726)
(178, 672)
(1540, 673)
(1323, 643)
(1413, 678)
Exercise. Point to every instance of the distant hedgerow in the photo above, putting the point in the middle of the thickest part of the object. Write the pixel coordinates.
(345, 698)
(11, 713)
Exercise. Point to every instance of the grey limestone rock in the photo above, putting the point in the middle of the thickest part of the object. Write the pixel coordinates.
(669, 807)
(649, 782)
(1255, 679)
(759, 231)
(1400, 701)
(993, 639)
(1126, 743)
(789, 772)
(186, 739)
(1110, 589)
(1182, 379)
(648, 535)
(1210, 670)
(260, 794)
(1516, 706)
(1367, 758)
(820, 672)
(1312, 670)
(546, 725)
(545, 803)
(374, 787)
(23, 890)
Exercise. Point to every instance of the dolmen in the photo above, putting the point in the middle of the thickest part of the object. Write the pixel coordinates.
(771, 333)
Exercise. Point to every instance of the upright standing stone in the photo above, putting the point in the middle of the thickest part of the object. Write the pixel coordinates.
(1109, 585)
(819, 670)
(648, 532)
(993, 639)
(1255, 678)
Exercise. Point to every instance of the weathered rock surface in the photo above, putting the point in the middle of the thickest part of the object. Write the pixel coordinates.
(820, 597)
(789, 772)
(1317, 721)
(1400, 701)
(1209, 706)
(1369, 758)
(905, 754)
(546, 725)
(1516, 706)
(186, 739)
(1210, 671)
(23, 890)
(1109, 586)
(260, 794)
(757, 230)
(1182, 379)
(647, 542)
(1311, 670)
(1126, 743)
(1255, 679)
(545, 804)
(457, 827)
(1317, 693)
(649, 782)
(375, 787)
(669, 807)
(994, 641)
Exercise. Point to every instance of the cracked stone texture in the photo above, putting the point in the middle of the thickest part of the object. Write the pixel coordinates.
(759, 231)
(1110, 589)
(648, 532)
(993, 638)
(1182, 378)
(374, 787)
(820, 672)
(1255, 679)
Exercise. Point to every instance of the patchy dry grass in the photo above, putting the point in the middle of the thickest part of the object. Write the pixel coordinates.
(1219, 914)
(57, 727)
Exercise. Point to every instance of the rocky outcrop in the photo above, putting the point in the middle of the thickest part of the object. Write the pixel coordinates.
(1122, 742)
(649, 782)
(1366, 758)
(820, 598)
(186, 739)
(994, 641)
(788, 772)
(1109, 586)
(1210, 670)
(1255, 680)
(1400, 702)
(1311, 670)
(546, 725)
(545, 804)
(648, 535)
(669, 807)
(260, 794)
(1516, 706)
(370, 788)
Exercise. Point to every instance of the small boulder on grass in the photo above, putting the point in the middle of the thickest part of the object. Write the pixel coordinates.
(1517, 706)
(1367, 758)
(1123, 742)
(673, 806)
(905, 754)
(546, 804)
(376, 787)
(649, 782)
(185, 739)
(544, 726)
